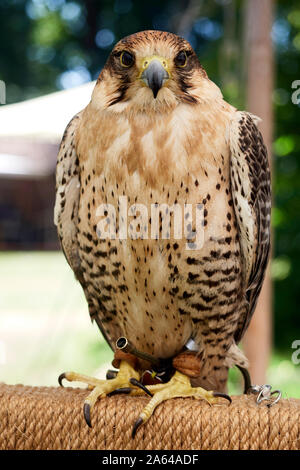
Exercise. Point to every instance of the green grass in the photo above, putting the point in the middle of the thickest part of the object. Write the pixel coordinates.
(45, 327)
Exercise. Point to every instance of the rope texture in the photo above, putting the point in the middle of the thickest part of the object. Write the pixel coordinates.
(52, 418)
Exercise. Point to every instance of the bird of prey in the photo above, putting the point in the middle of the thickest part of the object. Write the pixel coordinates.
(158, 132)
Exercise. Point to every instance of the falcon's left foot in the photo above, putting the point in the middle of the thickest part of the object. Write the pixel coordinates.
(178, 386)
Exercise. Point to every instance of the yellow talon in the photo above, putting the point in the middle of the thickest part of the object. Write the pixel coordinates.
(178, 386)
(101, 388)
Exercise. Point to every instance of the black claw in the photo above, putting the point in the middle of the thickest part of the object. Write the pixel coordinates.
(120, 390)
(87, 414)
(136, 425)
(111, 374)
(61, 378)
(135, 382)
(246, 377)
(222, 395)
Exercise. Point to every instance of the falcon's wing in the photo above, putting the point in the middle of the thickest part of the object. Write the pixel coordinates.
(251, 194)
(67, 196)
(66, 207)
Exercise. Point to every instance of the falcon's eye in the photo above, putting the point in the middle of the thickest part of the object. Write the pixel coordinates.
(181, 59)
(126, 59)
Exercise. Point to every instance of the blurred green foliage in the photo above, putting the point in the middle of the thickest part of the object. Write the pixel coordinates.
(47, 45)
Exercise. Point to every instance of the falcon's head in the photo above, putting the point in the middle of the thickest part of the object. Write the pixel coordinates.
(151, 70)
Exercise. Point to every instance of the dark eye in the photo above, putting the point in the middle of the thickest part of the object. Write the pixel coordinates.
(126, 59)
(181, 59)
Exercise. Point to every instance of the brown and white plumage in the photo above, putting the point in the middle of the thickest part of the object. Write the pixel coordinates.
(251, 190)
(186, 145)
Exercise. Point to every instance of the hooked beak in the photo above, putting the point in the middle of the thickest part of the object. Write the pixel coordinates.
(154, 75)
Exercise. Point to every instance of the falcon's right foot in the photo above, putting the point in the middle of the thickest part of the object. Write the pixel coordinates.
(126, 381)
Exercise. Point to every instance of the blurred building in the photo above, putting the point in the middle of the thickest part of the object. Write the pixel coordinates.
(30, 133)
(27, 182)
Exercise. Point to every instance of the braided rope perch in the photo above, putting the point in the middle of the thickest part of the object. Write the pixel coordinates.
(51, 418)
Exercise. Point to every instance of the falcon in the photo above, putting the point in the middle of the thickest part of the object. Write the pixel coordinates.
(157, 132)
